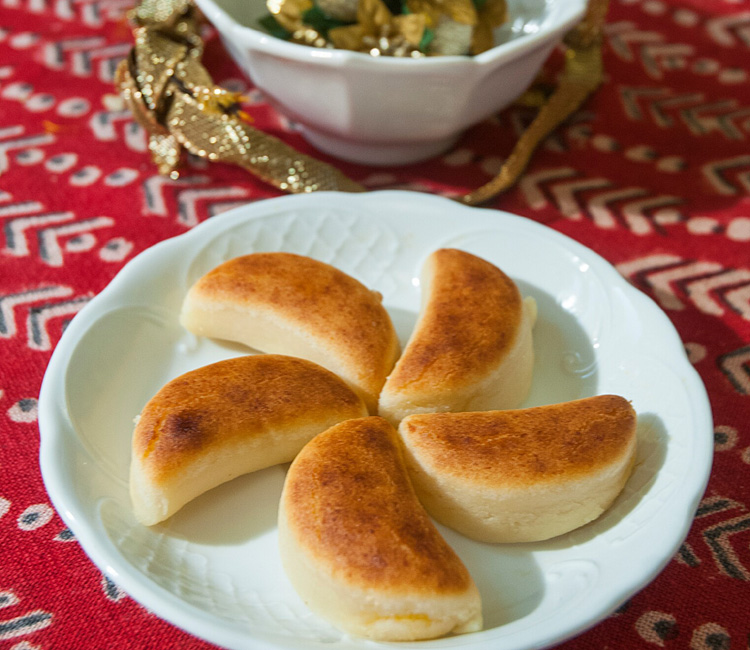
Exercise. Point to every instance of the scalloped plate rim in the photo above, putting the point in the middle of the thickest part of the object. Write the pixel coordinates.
(105, 555)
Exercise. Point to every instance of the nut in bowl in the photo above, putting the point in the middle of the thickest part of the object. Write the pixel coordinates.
(388, 110)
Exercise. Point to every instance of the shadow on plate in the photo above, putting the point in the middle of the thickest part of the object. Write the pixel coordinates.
(650, 456)
(507, 575)
(232, 513)
(564, 360)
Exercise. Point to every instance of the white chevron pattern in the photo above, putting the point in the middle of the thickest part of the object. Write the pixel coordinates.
(708, 286)
(16, 239)
(154, 191)
(187, 201)
(730, 176)
(38, 337)
(12, 139)
(575, 197)
(50, 248)
(9, 302)
(730, 30)
(736, 366)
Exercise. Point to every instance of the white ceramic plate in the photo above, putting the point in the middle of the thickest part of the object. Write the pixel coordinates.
(214, 569)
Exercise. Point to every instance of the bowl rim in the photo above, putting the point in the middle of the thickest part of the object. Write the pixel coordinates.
(562, 16)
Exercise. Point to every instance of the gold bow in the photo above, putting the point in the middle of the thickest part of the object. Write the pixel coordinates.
(173, 97)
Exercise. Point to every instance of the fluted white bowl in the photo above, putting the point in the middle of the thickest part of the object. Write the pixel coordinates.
(388, 110)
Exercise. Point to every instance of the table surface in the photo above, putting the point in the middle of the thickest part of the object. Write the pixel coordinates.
(653, 173)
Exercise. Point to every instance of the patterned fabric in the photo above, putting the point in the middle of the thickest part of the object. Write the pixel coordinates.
(653, 173)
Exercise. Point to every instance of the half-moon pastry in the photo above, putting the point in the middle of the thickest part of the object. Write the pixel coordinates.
(229, 418)
(290, 304)
(471, 349)
(360, 549)
(522, 475)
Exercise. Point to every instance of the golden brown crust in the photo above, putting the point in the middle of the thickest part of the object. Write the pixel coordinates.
(350, 504)
(230, 400)
(469, 322)
(312, 296)
(525, 447)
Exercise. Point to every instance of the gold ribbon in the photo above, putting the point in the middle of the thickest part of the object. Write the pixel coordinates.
(582, 75)
(173, 97)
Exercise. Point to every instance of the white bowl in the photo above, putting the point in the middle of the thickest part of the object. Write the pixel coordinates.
(387, 110)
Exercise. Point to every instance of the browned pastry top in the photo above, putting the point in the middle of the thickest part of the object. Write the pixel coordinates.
(351, 506)
(524, 447)
(237, 398)
(470, 319)
(312, 296)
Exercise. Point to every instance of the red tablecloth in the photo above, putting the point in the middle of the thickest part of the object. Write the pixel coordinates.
(653, 173)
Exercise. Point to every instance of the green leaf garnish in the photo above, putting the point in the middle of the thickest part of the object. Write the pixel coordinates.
(274, 28)
(320, 21)
(427, 37)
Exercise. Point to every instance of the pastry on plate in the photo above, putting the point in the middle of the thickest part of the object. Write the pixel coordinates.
(359, 548)
(471, 349)
(522, 475)
(229, 418)
(290, 304)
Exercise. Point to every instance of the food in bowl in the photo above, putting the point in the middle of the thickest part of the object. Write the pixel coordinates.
(403, 28)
